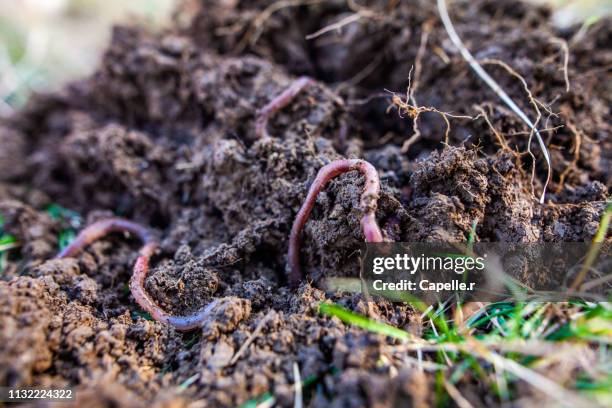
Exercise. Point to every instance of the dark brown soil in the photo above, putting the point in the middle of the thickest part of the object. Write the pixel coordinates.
(163, 134)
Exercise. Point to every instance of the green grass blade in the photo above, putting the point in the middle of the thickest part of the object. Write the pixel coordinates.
(366, 323)
(600, 235)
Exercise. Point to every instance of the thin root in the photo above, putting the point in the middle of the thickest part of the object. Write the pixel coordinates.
(479, 70)
(536, 106)
(565, 49)
(418, 60)
(575, 151)
(405, 107)
(337, 25)
(500, 138)
(256, 28)
(413, 85)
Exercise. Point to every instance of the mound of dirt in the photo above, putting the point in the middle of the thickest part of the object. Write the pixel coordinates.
(163, 133)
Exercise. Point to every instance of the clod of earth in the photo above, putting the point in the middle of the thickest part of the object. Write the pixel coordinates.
(278, 103)
(102, 228)
(369, 199)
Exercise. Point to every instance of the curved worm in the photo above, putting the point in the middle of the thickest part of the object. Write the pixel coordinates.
(102, 228)
(368, 203)
(278, 103)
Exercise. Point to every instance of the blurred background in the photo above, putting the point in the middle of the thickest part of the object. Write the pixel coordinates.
(44, 43)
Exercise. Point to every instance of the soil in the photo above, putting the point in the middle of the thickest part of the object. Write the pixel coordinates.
(163, 134)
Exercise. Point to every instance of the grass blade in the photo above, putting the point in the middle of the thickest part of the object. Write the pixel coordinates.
(358, 320)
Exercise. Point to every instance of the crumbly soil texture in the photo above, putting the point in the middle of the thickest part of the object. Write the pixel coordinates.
(163, 133)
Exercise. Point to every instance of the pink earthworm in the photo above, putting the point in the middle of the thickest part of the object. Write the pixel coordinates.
(368, 203)
(278, 103)
(102, 228)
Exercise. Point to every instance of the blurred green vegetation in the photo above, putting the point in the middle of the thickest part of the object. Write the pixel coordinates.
(44, 43)
(569, 12)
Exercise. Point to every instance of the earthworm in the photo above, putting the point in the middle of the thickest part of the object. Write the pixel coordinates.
(102, 228)
(278, 103)
(368, 203)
